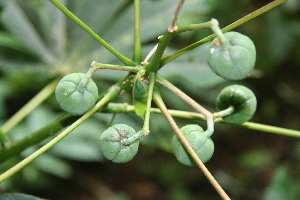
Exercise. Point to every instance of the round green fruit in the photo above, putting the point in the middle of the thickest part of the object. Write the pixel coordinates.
(112, 147)
(236, 62)
(201, 144)
(71, 99)
(243, 101)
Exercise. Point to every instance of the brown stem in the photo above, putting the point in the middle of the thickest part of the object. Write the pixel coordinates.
(159, 102)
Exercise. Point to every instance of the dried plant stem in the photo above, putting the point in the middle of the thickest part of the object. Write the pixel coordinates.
(173, 26)
(159, 102)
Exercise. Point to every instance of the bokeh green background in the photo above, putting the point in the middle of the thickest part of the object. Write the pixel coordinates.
(38, 44)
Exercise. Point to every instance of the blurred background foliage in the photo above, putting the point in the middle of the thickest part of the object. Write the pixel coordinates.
(38, 44)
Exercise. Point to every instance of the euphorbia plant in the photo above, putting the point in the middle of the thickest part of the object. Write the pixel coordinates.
(232, 56)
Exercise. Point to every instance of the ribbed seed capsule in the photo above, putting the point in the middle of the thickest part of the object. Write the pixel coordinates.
(111, 143)
(236, 62)
(73, 100)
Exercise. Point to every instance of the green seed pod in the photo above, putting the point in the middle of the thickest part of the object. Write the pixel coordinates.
(111, 143)
(71, 99)
(201, 144)
(243, 101)
(236, 62)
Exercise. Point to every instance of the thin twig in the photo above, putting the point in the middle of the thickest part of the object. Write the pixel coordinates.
(150, 54)
(173, 26)
(159, 102)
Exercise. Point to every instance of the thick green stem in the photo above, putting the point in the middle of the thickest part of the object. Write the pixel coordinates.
(164, 40)
(137, 49)
(235, 24)
(68, 13)
(159, 102)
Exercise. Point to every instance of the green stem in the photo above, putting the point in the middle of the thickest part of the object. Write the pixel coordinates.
(159, 102)
(85, 80)
(125, 108)
(163, 41)
(271, 129)
(137, 49)
(208, 115)
(192, 27)
(217, 31)
(115, 67)
(146, 127)
(225, 112)
(152, 80)
(29, 107)
(68, 13)
(235, 24)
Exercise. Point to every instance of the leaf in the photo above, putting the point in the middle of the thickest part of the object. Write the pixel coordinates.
(140, 94)
(7, 40)
(16, 196)
(82, 144)
(283, 186)
(17, 22)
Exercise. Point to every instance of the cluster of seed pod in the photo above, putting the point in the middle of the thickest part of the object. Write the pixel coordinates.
(231, 56)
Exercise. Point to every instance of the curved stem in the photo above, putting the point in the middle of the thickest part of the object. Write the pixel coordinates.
(223, 40)
(159, 102)
(73, 17)
(235, 24)
(224, 113)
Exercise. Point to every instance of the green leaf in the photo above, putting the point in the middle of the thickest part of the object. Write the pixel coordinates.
(7, 40)
(16, 196)
(18, 23)
(140, 94)
(283, 186)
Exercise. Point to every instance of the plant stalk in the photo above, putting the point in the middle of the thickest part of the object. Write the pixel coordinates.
(159, 102)
(137, 49)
